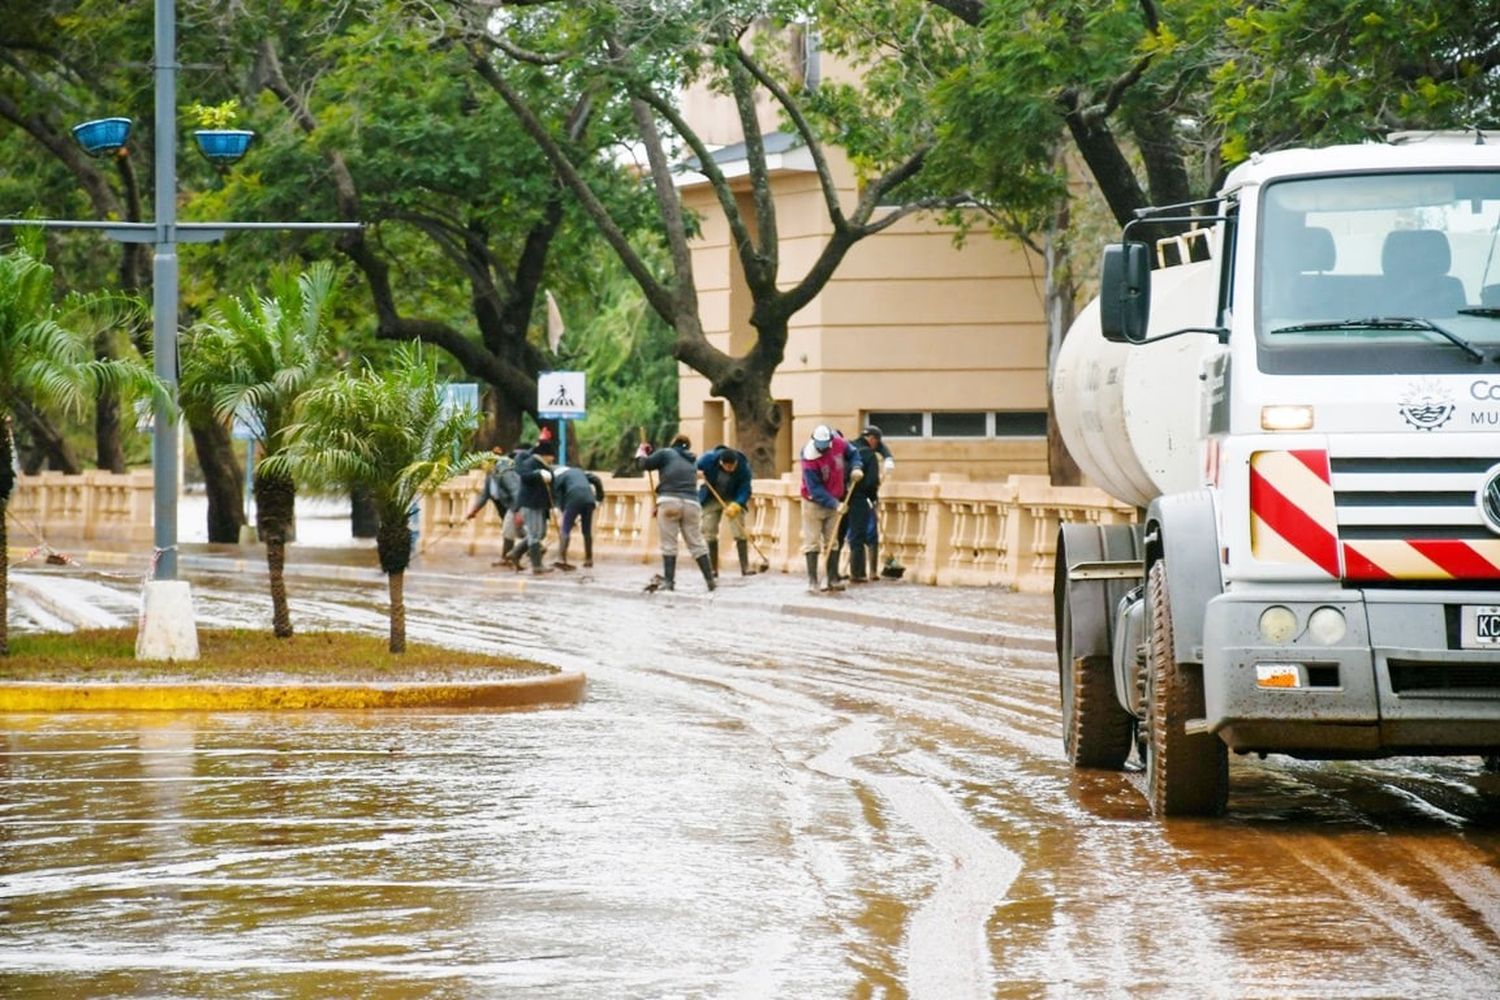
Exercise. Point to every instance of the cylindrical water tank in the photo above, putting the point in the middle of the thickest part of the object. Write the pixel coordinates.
(1130, 413)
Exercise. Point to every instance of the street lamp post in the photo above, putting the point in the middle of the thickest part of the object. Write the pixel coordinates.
(166, 604)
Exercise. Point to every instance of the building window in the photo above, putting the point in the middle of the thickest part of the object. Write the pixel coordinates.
(961, 424)
(900, 425)
(1021, 423)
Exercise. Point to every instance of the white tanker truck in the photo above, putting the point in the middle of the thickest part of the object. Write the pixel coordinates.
(1307, 413)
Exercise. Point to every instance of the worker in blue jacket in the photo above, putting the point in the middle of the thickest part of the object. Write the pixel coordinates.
(725, 493)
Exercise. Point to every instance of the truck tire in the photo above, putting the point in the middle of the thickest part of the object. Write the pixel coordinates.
(1097, 732)
(1186, 774)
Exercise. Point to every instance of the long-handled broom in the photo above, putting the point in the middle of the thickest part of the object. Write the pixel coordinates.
(765, 563)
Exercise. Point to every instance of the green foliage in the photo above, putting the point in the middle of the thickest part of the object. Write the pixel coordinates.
(255, 355)
(381, 430)
(625, 350)
(215, 116)
(1323, 71)
(47, 346)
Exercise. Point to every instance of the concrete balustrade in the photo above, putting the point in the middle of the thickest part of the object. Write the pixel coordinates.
(944, 530)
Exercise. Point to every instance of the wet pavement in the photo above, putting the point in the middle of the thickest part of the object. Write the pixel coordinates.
(765, 794)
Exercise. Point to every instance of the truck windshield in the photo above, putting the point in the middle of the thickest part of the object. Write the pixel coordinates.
(1393, 272)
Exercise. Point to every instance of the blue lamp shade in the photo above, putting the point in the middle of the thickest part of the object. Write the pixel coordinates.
(102, 136)
(223, 146)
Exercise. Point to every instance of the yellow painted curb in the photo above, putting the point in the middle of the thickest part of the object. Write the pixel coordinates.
(530, 692)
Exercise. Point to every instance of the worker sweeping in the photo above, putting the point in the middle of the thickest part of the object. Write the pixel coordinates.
(677, 507)
(725, 494)
(829, 466)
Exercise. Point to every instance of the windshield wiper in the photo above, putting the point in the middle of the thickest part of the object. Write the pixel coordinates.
(1389, 323)
(1491, 312)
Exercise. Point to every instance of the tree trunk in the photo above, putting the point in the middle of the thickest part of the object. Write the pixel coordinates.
(364, 518)
(222, 480)
(393, 549)
(1058, 296)
(397, 582)
(46, 439)
(109, 453)
(7, 483)
(501, 425)
(275, 500)
(757, 422)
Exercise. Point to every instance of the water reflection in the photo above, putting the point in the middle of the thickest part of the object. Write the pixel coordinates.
(804, 807)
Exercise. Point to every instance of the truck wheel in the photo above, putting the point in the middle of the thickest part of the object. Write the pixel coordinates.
(1186, 775)
(1490, 762)
(1096, 730)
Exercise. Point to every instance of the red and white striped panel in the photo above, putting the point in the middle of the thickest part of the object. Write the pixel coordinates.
(1292, 516)
(1425, 559)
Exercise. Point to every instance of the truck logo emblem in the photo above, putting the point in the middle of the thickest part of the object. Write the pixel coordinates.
(1487, 499)
(1426, 406)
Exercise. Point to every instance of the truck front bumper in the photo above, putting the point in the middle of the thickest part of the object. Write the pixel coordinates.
(1397, 682)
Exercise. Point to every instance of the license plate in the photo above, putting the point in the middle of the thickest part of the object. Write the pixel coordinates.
(1480, 626)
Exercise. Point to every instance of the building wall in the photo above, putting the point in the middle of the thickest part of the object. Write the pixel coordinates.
(909, 323)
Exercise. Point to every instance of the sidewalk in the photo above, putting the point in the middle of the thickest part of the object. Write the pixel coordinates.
(325, 549)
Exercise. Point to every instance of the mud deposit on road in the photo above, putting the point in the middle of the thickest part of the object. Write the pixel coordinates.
(749, 804)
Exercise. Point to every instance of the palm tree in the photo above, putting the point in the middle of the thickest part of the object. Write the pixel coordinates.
(251, 359)
(389, 432)
(47, 357)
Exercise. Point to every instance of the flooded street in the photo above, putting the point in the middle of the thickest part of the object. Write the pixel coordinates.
(765, 794)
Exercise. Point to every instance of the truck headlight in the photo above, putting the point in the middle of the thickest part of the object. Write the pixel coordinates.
(1278, 624)
(1327, 625)
(1286, 417)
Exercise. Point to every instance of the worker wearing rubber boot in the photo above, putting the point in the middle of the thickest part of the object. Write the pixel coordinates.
(677, 507)
(577, 493)
(535, 500)
(829, 465)
(724, 495)
(860, 532)
(501, 487)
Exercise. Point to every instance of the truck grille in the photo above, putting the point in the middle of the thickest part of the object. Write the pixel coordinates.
(1411, 677)
(1408, 498)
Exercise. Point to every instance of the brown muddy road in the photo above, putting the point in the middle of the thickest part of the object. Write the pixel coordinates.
(760, 798)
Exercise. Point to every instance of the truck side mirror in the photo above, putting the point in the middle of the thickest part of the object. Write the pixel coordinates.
(1125, 292)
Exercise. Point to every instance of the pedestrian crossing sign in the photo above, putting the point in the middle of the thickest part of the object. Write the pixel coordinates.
(560, 396)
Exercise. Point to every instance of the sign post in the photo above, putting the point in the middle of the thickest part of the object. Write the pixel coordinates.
(561, 396)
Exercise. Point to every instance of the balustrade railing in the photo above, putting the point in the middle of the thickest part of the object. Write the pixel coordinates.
(944, 531)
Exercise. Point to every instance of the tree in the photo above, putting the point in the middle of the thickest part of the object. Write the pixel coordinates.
(252, 359)
(386, 431)
(47, 356)
(61, 62)
(362, 120)
(647, 53)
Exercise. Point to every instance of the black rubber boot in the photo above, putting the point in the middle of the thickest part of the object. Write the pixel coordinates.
(536, 561)
(834, 583)
(742, 546)
(669, 572)
(856, 562)
(812, 570)
(563, 544)
(588, 550)
(874, 548)
(713, 556)
(708, 570)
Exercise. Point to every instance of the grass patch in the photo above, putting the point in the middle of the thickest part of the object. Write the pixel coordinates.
(250, 655)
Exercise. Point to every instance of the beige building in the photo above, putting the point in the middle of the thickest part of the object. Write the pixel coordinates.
(943, 347)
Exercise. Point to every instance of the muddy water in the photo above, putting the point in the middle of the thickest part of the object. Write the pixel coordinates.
(752, 803)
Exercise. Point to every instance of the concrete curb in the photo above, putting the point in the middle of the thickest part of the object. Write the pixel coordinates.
(530, 692)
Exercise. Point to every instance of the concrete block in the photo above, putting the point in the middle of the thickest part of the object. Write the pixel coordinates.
(167, 629)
